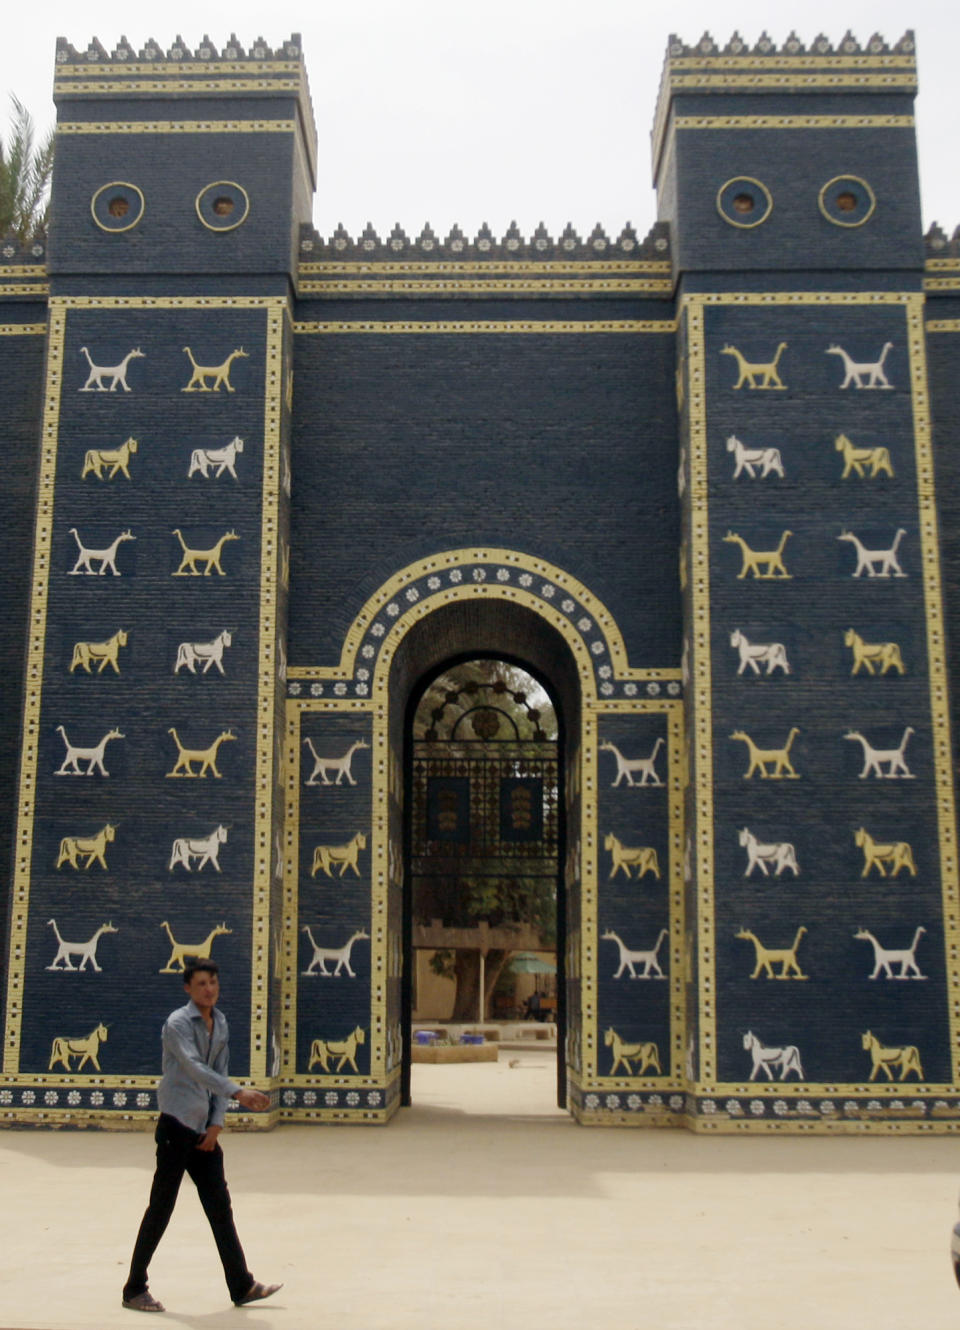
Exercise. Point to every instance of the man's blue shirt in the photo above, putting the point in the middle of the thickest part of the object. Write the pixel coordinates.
(195, 1087)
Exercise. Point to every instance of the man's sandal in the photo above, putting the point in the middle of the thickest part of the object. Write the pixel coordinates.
(143, 1302)
(257, 1292)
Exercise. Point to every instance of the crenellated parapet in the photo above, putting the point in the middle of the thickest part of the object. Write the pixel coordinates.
(260, 79)
(797, 155)
(938, 245)
(737, 68)
(513, 264)
(485, 247)
(15, 252)
(791, 50)
(179, 53)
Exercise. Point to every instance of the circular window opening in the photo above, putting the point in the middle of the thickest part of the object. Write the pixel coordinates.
(223, 205)
(847, 201)
(744, 202)
(117, 206)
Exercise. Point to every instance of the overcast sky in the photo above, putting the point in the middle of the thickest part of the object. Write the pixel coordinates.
(475, 111)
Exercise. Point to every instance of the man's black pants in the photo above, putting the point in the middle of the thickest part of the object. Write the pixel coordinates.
(177, 1154)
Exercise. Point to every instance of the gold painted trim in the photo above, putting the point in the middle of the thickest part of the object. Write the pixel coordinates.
(367, 1117)
(33, 683)
(701, 738)
(476, 326)
(857, 180)
(165, 302)
(937, 663)
(494, 267)
(942, 265)
(449, 559)
(24, 288)
(747, 180)
(794, 122)
(23, 270)
(117, 184)
(180, 85)
(22, 329)
(176, 127)
(221, 184)
(943, 326)
(796, 298)
(265, 786)
(934, 284)
(608, 286)
(202, 68)
(738, 82)
(812, 60)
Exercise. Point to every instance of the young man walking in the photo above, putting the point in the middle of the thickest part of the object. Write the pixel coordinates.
(192, 1096)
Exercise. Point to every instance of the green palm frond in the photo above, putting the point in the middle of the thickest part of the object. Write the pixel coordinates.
(25, 170)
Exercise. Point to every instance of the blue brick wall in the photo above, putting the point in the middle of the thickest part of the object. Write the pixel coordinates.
(559, 445)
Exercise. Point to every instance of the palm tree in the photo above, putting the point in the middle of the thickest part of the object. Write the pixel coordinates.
(24, 177)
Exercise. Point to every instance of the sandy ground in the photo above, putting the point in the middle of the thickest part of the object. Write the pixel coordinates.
(506, 1218)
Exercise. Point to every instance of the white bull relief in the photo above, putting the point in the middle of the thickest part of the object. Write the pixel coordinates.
(203, 460)
(192, 654)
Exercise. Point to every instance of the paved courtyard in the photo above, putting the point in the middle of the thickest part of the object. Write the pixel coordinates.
(505, 1217)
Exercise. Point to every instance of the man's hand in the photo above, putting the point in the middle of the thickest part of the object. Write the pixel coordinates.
(209, 1140)
(254, 1099)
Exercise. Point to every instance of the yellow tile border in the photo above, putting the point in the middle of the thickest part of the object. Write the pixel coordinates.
(519, 326)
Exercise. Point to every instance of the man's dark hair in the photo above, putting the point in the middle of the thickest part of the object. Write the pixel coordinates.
(195, 966)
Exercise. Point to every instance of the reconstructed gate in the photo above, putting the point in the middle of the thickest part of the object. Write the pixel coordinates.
(696, 482)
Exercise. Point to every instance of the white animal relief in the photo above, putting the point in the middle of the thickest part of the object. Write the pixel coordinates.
(628, 767)
(630, 959)
(876, 563)
(92, 756)
(84, 952)
(778, 855)
(117, 374)
(885, 958)
(875, 759)
(325, 766)
(338, 956)
(772, 1060)
(772, 655)
(747, 459)
(864, 373)
(192, 654)
(107, 557)
(205, 849)
(203, 460)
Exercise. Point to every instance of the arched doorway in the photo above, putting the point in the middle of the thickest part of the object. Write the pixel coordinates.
(347, 878)
(488, 810)
(484, 918)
